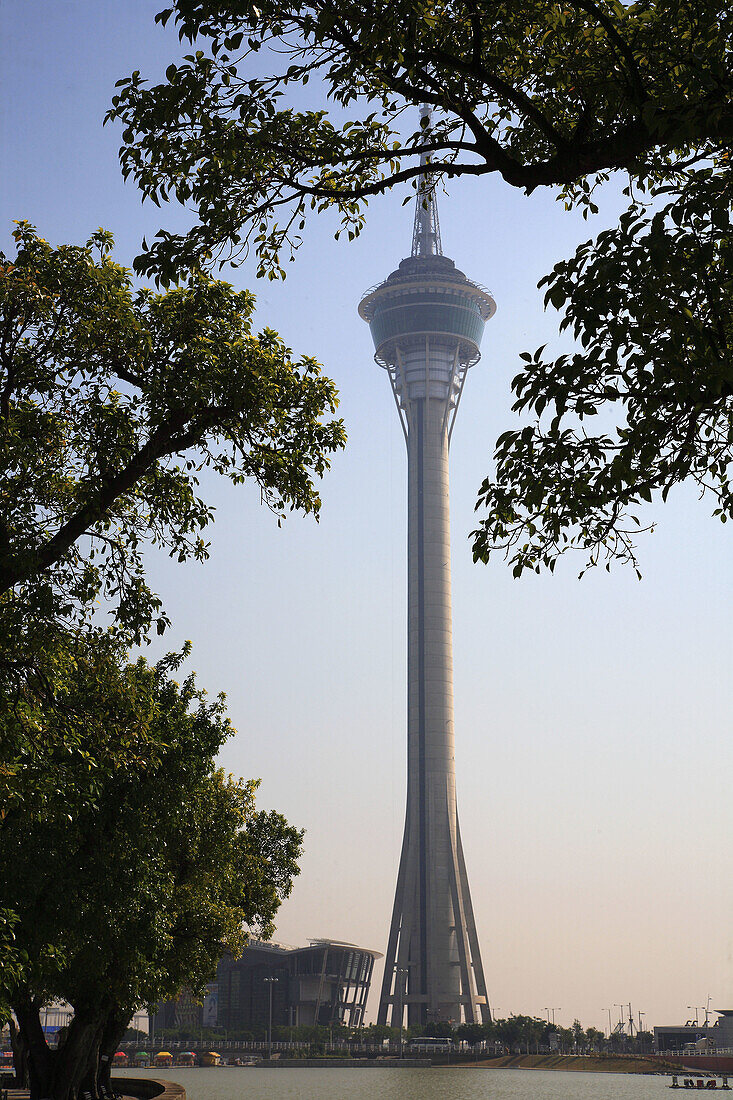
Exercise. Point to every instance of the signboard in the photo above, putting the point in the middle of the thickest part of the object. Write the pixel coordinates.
(210, 1012)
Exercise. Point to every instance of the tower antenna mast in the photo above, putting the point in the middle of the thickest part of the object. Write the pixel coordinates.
(426, 227)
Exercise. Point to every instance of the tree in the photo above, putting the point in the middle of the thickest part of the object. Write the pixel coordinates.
(645, 1042)
(519, 1032)
(377, 1033)
(542, 94)
(474, 1033)
(79, 713)
(439, 1029)
(651, 303)
(579, 1038)
(596, 1039)
(80, 716)
(111, 402)
(567, 1039)
(140, 890)
(618, 1041)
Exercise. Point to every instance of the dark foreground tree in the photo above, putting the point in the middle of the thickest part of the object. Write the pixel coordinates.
(138, 891)
(651, 303)
(542, 94)
(111, 402)
(75, 716)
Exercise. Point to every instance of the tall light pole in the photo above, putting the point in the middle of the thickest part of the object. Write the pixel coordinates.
(426, 320)
(270, 981)
(621, 1014)
(609, 1023)
(697, 1008)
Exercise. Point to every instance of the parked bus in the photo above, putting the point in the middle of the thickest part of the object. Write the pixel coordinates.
(425, 1044)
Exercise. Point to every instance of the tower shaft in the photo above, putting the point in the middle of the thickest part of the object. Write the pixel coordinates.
(433, 967)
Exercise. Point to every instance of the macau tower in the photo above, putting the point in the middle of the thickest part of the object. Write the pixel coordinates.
(427, 320)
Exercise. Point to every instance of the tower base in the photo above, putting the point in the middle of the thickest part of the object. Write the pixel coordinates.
(414, 982)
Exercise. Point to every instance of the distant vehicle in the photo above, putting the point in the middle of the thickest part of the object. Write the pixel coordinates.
(427, 1043)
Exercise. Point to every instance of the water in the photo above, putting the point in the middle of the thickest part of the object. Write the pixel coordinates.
(367, 1083)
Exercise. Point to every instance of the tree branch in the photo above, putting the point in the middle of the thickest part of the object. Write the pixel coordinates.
(157, 446)
(622, 47)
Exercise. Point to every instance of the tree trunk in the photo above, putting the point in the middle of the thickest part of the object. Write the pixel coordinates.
(74, 1059)
(40, 1058)
(88, 1089)
(20, 1056)
(114, 1030)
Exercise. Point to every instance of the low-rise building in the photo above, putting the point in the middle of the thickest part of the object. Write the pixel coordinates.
(701, 1037)
(325, 983)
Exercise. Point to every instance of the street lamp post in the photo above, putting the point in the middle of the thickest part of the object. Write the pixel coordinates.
(621, 1014)
(270, 982)
(609, 1023)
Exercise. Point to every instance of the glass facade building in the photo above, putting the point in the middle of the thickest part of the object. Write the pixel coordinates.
(325, 983)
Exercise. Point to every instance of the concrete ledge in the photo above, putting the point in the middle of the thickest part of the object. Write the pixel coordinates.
(143, 1088)
(137, 1087)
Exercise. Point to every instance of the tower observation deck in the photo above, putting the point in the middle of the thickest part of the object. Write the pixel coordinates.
(427, 320)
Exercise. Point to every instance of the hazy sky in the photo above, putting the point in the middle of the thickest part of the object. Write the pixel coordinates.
(592, 717)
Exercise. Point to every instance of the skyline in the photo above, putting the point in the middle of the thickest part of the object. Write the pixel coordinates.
(596, 810)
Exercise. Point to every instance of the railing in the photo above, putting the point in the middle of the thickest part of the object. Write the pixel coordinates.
(712, 1052)
(355, 1047)
(221, 1045)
